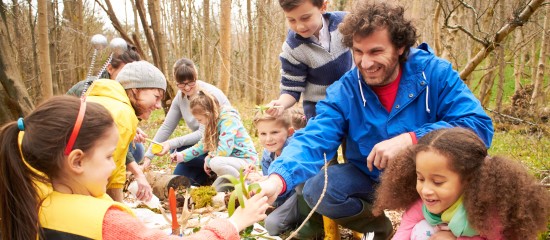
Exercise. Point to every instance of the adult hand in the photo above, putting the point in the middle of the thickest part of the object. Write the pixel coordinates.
(271, 187)
(144, 192)
(140, 136)
(254, 211)
(443, 235)
(165, 149)
(276, 108)
(385, 151)
(145, 164)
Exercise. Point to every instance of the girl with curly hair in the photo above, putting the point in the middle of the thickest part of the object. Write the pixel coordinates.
(451, 188)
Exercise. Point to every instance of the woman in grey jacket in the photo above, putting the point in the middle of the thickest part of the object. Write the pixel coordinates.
(185, 75)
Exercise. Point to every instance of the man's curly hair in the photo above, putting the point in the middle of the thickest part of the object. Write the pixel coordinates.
(495, 188)
(367, 17)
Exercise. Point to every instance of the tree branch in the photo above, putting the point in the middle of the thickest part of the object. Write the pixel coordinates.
(501, 34)
(471, 35)
(114, 20)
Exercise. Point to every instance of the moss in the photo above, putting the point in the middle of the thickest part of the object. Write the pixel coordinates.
(202, 196)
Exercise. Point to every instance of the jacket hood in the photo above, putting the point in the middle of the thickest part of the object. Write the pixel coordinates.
(108, 88)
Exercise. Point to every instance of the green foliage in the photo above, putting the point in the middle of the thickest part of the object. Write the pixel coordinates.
(241, 191)
(202, 196)
(532, 149)
(509, 82)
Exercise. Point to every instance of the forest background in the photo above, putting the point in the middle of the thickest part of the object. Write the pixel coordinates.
(500, 48)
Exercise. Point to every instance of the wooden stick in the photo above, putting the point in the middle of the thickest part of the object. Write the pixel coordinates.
(316, 205)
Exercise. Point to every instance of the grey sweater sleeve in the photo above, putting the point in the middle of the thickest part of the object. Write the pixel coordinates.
(180, 109)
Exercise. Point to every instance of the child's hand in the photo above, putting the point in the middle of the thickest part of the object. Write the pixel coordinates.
(249, 169)
(276, 108)
(176, 157)
(443, 235)
(253, 211)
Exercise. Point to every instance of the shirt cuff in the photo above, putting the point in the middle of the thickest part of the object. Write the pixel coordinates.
(413, 137)
(284, 183)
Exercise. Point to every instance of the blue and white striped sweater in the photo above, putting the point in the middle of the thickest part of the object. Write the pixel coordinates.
(307, 68)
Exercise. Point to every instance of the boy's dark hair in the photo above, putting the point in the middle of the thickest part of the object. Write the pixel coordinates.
(289, 5)
(367, 17)
(46, 131)
(184, 70)
(497, 190)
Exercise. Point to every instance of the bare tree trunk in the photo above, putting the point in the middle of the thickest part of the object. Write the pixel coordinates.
(136, 16)
(533, 59)
(45, 75)
(205, 42)
(55, 33)
(160, 40)
(225, 41)
(451, 38)
(14, 98)
(518, 61)
(523, 16)
(501, 78)
(136, 33)
(251, 87)
(72, 12)
(189, 28)
(158, 33)
(502, 64)
(34, 86)
(260, 4)
(18, 44)
(536, 98)
(148, 35)
(487, 80)
(437, 30)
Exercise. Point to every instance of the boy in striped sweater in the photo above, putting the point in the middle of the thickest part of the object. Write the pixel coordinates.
(313, 55)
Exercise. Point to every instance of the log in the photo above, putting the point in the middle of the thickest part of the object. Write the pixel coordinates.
(161, 183)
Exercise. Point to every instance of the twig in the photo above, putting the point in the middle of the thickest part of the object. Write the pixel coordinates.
(514, 118)
(293, 234)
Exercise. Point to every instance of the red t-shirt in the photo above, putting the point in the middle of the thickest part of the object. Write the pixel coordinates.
(386, 94)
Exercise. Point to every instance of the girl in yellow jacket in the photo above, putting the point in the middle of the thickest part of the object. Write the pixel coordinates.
(69, 144)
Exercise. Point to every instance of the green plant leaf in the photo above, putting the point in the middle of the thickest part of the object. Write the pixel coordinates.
(254, 187)
(240, 196)
(232, 179)
(231, 204)
(248, 230)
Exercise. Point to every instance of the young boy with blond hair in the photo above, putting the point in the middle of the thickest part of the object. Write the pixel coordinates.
(274, 134)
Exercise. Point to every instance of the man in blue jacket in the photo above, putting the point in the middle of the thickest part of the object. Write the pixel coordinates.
(394, 96)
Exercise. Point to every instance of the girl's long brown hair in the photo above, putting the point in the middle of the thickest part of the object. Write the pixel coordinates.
(205, 104)
(46, 131)
(495, 188)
